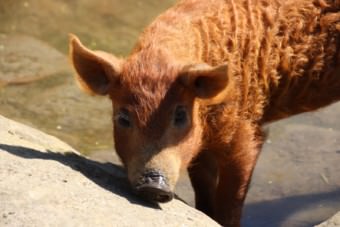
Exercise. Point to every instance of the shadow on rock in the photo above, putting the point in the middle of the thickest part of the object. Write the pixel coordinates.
(107, 175)
(282, 212)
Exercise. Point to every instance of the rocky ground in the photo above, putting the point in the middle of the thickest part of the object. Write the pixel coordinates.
(296, 180)
(45, 182)
(332, 222)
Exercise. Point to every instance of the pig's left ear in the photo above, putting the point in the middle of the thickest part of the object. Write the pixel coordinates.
(96, 70)
(204, 80)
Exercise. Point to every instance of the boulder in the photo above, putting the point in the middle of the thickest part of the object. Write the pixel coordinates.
(332, 222)
(45, 182)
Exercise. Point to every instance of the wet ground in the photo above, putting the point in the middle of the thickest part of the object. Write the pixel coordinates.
(36, 80)
(297, 179)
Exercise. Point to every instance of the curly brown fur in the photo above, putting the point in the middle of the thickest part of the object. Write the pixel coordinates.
(234, 65)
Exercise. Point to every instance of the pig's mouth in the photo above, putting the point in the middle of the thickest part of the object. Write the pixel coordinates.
(153, 187)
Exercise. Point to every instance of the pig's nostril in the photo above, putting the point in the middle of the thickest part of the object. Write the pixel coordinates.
(153, 187)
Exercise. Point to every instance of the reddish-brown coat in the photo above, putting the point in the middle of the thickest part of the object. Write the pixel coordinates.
(234, 65)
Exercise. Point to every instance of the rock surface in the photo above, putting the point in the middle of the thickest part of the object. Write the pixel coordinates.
(332, 222)
(296, 182)
(45, 182)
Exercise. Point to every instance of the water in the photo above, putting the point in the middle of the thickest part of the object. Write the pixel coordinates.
(33, 54)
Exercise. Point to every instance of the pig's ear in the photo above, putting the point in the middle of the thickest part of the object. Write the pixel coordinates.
(96, 70)
(204, 80)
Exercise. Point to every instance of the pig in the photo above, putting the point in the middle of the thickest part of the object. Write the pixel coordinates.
(203, 79)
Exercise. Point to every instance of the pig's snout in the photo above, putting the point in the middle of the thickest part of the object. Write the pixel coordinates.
(153, 187)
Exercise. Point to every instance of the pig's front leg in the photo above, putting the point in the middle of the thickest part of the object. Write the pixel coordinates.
(236, 165)
(203, 175)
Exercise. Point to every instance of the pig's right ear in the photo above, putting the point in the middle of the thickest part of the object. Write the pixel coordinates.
(206, 82)
(96, 70)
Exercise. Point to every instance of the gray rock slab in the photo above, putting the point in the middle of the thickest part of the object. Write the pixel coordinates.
(45, 182)
(332, 222)
(296, 182)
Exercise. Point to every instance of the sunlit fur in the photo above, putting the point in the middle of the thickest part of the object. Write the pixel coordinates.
(283, 59)
(276, 49)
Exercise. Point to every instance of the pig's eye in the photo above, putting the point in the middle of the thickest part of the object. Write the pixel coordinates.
(180, 116)
(123, 118)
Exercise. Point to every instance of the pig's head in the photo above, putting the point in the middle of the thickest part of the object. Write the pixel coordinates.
(156, 111)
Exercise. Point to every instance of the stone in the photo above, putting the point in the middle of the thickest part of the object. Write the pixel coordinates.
(332, 222)
(44, 182)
